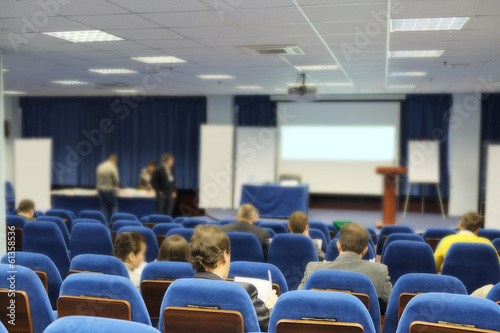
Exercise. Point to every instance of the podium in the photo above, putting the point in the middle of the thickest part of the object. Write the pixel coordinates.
(390, 174)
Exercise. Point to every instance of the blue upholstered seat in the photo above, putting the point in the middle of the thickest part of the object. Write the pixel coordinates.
(323, 227)
(317, 234)
(83, 324)
(278, 227)
(491, 234)
(438, 233)
(221, 294)
(494, 293)
(167, 270)
(163, 228)
(418, 283)
(16, 221)
(187, 233)
(373, 236)
(100, 264)
(66, 215)
(93, 214)
(80, 220)
(496, 244)
(123, 216)
(397, 236)
(391, 229)
(90, 238)
(258, 270)
(9, 191)
(151, 242)
(179, 219)
(342, 307)
(192, 222)
(3, 329)
(245, 247)
(332, 252)
(157, 218)
(123, 223)
(61, 225)
(271, 232)
(476, 265)
(227, 221)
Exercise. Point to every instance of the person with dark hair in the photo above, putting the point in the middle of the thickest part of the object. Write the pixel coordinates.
(469, 226)
(107, 183)
(298, 223)
(130, 248)
(211, 255)
(26, 209)
(174, 248)
(163, 182)
(352, 245)
(145, 176)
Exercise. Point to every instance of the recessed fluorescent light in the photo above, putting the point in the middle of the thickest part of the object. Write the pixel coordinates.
(428, 24)
(215, 76)
(14, 92)
(249, 87)
(5, 70)
(402, 86)
(336, 84)
(317, 68)
(280, 89)
(125, 91)
(84, 36)
(159, 60)
(402, 74)
(417, 54)
(112, 71)
(70, 82)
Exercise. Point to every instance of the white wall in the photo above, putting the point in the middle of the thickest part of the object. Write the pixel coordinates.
(465, 135)
(220, 110)
(13, 116)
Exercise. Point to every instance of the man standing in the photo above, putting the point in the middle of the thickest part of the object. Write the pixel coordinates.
(107, 183)
(163, 182)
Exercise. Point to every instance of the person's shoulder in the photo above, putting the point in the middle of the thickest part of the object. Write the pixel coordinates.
(249, 288)
(314, 266)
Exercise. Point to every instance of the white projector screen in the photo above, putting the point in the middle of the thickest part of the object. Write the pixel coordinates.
(336, 146)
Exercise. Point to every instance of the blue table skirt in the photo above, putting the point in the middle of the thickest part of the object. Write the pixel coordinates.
(138, 206)
(274, 200)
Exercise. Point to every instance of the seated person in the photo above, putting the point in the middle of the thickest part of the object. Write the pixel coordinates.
(130, 248)
(246, 216)
(352, 246)
(145, 176)
(298, 224)
(174, 248)
(469, 226)
(26, 209)
(210, 256)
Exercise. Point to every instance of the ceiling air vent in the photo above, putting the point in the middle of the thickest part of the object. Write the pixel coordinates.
(271, 49)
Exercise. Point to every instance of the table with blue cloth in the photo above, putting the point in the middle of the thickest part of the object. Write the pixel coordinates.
(275, 200)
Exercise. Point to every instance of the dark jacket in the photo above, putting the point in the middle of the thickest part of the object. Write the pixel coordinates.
(161, 183)
(262, 311)
(242, 226)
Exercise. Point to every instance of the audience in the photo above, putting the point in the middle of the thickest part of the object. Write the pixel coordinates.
(174, 248)
(26, 209)
(469, 226)
(246, 216)
(352, 245)
(298, 224)
(145, 176)
(210, 257)
(130, 248)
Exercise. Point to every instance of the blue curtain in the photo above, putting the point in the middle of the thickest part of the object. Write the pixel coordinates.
(255, 111)
(85, 130)
(426, 117)
(490, 129)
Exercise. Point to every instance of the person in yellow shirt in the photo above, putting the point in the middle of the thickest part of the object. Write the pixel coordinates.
(469, 226)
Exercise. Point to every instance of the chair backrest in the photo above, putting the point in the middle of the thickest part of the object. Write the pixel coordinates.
(16, 221)
(98, 263)
(14, 231)
(496, 244)
(40, 263)
(227, 221)
(476, 265)
(271, 232)
(157, 218)
(9, 191)
(494, 294)
(179, 219)
(65, 215)
(450, 308)
(332, 252)
(164, 228)
(278, 227)
(90, 238)
(187, 233)
(96, 290)
(223, 295)
(46, 238)
(317, 234)
(245, 247)
(258, 270)
(193, 222)
(321, 308)
(125, 223)
(7, 211)
(31, 299)
(491, 234)
(123, 216)
(391, 229)
(403, 257)
(351, 282)
(321, 226)
(152, 248)
(373, 235)
(61, 225)
(397, 236)
(93, 214)
(433, 236)
(291, 254)
(413, 284)
(85, 324)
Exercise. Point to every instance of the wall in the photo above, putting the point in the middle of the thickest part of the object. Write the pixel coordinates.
(13, 116)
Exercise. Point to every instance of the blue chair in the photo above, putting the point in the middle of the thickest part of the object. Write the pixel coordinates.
(193, 222)
(9, 191)
(332, 252)
(403, 257)
(418, 283)
(157, 218)
(184, 232)
(373, 235)
(39, 304)
(98, 263)
(3, 329)
(291, 254)
(106, 287)
(491, 234)
(332, 230)
(61, 225)
(93, 214)
(90, 238)
(144, 220)
(38, 213)
(18, 222)
(40, 263)
(163, 228)
(271, 232)
(391, 229)
(123, 216)
(494, 294)
(223, 295)
(227, 221)
(433, 236)
(125, 223)
(84, 324)
(79, 220)
(7, 211)
(496, 244)
(278, 227)
(476, 265)
(179, 219)
(65, 215)
(397, 236)
(245, 247)
(340, 307)
(46, 238)
(353, 282)
(10, 204)
(433, 308)
(152, 248)
(321, 226)
(258, 270)
(317, 234)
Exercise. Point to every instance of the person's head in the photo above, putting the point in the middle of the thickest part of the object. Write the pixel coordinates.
(174, 248)
(151, 166)
(353, 238)
(247, 213)
(130, 248)
(297, 223)
(471, 221)
(168, 160)
(26, 208)
(113, 159)
(210, 250)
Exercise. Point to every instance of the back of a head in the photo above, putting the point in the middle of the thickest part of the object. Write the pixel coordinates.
(353, 238)
(471, 221)
(128, 242)
(25, 206)
(207, 246)
(247, 212)
(166, 158)
(174, 248)
(113, 159)
(298, 222)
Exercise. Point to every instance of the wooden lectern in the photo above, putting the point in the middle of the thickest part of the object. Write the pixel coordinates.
(391, 174)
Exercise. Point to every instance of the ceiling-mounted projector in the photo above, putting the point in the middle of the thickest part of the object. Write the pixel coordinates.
(301, 92)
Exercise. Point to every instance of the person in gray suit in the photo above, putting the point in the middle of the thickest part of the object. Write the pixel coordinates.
(352, 246)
